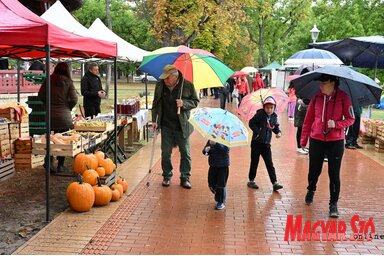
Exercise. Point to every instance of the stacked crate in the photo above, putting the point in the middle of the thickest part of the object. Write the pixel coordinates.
(23, 154)
(379, 142)
(7, 168)
(4, 140)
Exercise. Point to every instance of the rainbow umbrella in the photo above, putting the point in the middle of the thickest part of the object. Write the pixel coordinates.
(219, 125)
(200, 67)
(254, 101)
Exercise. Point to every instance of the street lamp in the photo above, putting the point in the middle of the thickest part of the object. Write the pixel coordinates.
(314, 33)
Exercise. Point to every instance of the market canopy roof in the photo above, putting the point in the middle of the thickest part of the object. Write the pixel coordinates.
(273, 65)
(125, 50)
(24, 34)
(59, 16)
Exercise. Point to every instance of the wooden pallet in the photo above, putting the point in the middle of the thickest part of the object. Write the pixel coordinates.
(71, 149)
(367, 139)
(7, 168)
(380, 133)
(28, 160)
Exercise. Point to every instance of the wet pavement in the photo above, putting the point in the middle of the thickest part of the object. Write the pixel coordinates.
(156, 220)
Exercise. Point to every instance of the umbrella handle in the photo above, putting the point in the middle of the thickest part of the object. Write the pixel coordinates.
(178, 110)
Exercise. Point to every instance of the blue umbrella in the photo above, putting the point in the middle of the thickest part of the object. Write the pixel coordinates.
(361, 89)
(313, 56)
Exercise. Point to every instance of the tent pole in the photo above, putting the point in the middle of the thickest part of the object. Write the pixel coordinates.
(376, 61)
(146, 103)
(115, 108)
(48, 131)
(18, 81)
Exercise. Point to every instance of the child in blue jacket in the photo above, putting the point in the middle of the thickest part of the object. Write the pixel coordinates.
(218, 159)
(263, 123)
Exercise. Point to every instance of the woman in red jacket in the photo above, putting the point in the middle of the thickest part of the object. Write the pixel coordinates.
(329, 113)
(243, 87)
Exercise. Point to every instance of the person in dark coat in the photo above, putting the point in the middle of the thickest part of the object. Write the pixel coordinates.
(300, 111)
(218, 159)
(92, 91)
(36, 65)
(63, 100)
(173, 92)
(263, 123)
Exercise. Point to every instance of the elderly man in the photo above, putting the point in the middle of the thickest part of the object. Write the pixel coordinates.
(173, 92)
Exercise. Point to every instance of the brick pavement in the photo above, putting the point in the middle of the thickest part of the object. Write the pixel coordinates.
(157, 220)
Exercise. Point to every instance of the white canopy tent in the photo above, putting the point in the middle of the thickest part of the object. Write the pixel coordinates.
(58, 15)
(125, 50)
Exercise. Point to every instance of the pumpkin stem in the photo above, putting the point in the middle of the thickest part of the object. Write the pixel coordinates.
(98, 182)
(79, 178)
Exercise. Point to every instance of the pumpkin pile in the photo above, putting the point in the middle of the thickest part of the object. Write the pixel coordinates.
(88, 191)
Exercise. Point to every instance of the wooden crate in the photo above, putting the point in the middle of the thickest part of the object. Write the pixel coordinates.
(71, 149)
(24, 129)
(14, 130)
(106, 127)
(4, 131)
(380, 133)
(367, 139)
(379, 145)
(7, 168)
(5, 147)
(23, 145)
(8, 113)
(28, 160)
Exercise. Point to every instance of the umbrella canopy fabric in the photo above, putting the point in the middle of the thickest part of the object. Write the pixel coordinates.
(254, 101)
(364, 52)
(240, 74)
(313, 56)
(361, 89)
(306, 68)
(219, 125)
(200, 67)
(291, 77)
(249, 69)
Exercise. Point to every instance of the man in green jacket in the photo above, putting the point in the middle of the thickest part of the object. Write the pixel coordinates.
(175, 128)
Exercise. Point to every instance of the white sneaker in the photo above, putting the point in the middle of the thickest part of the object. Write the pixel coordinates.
(301, 151)
(306, 149)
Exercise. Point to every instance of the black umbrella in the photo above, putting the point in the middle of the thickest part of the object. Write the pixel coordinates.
(361, 89)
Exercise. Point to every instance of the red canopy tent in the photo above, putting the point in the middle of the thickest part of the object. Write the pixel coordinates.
(25, 35)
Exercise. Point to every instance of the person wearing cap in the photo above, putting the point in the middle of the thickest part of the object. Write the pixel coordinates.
(173, 92)
(329, 113)
(263, 123)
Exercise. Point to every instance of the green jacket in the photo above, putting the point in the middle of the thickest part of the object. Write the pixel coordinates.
(190, 101)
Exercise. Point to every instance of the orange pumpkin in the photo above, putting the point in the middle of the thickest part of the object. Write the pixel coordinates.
(90, 176)
(108, 165)
(123, 182)
(118, 187)
(80, 195)
(83, 161)
(99, 155)
(103, 194)
(115, 195)
(101, 171)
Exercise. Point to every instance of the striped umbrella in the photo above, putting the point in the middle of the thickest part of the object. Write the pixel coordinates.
(200, 67)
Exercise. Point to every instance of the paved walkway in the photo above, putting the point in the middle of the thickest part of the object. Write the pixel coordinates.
(157, 220)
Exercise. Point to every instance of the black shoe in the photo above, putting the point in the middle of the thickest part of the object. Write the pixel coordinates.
(309, 197)
(333, 212)
(166, 182)
(277, 186)
(61, 169)
(52, 170)
(185, 183)
(358, 146)
(350, 146)
(252, 184)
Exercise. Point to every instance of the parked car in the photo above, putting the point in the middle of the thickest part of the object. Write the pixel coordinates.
(149, 78)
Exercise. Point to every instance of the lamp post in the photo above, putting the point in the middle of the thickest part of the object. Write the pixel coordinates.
(314, 33)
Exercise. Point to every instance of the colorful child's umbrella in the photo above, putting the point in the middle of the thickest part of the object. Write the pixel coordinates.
(254, 101)
(219, 125)
(200, 67)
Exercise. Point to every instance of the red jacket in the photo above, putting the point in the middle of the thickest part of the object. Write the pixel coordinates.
(242, 86)
(319, 112)
(257, 83)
